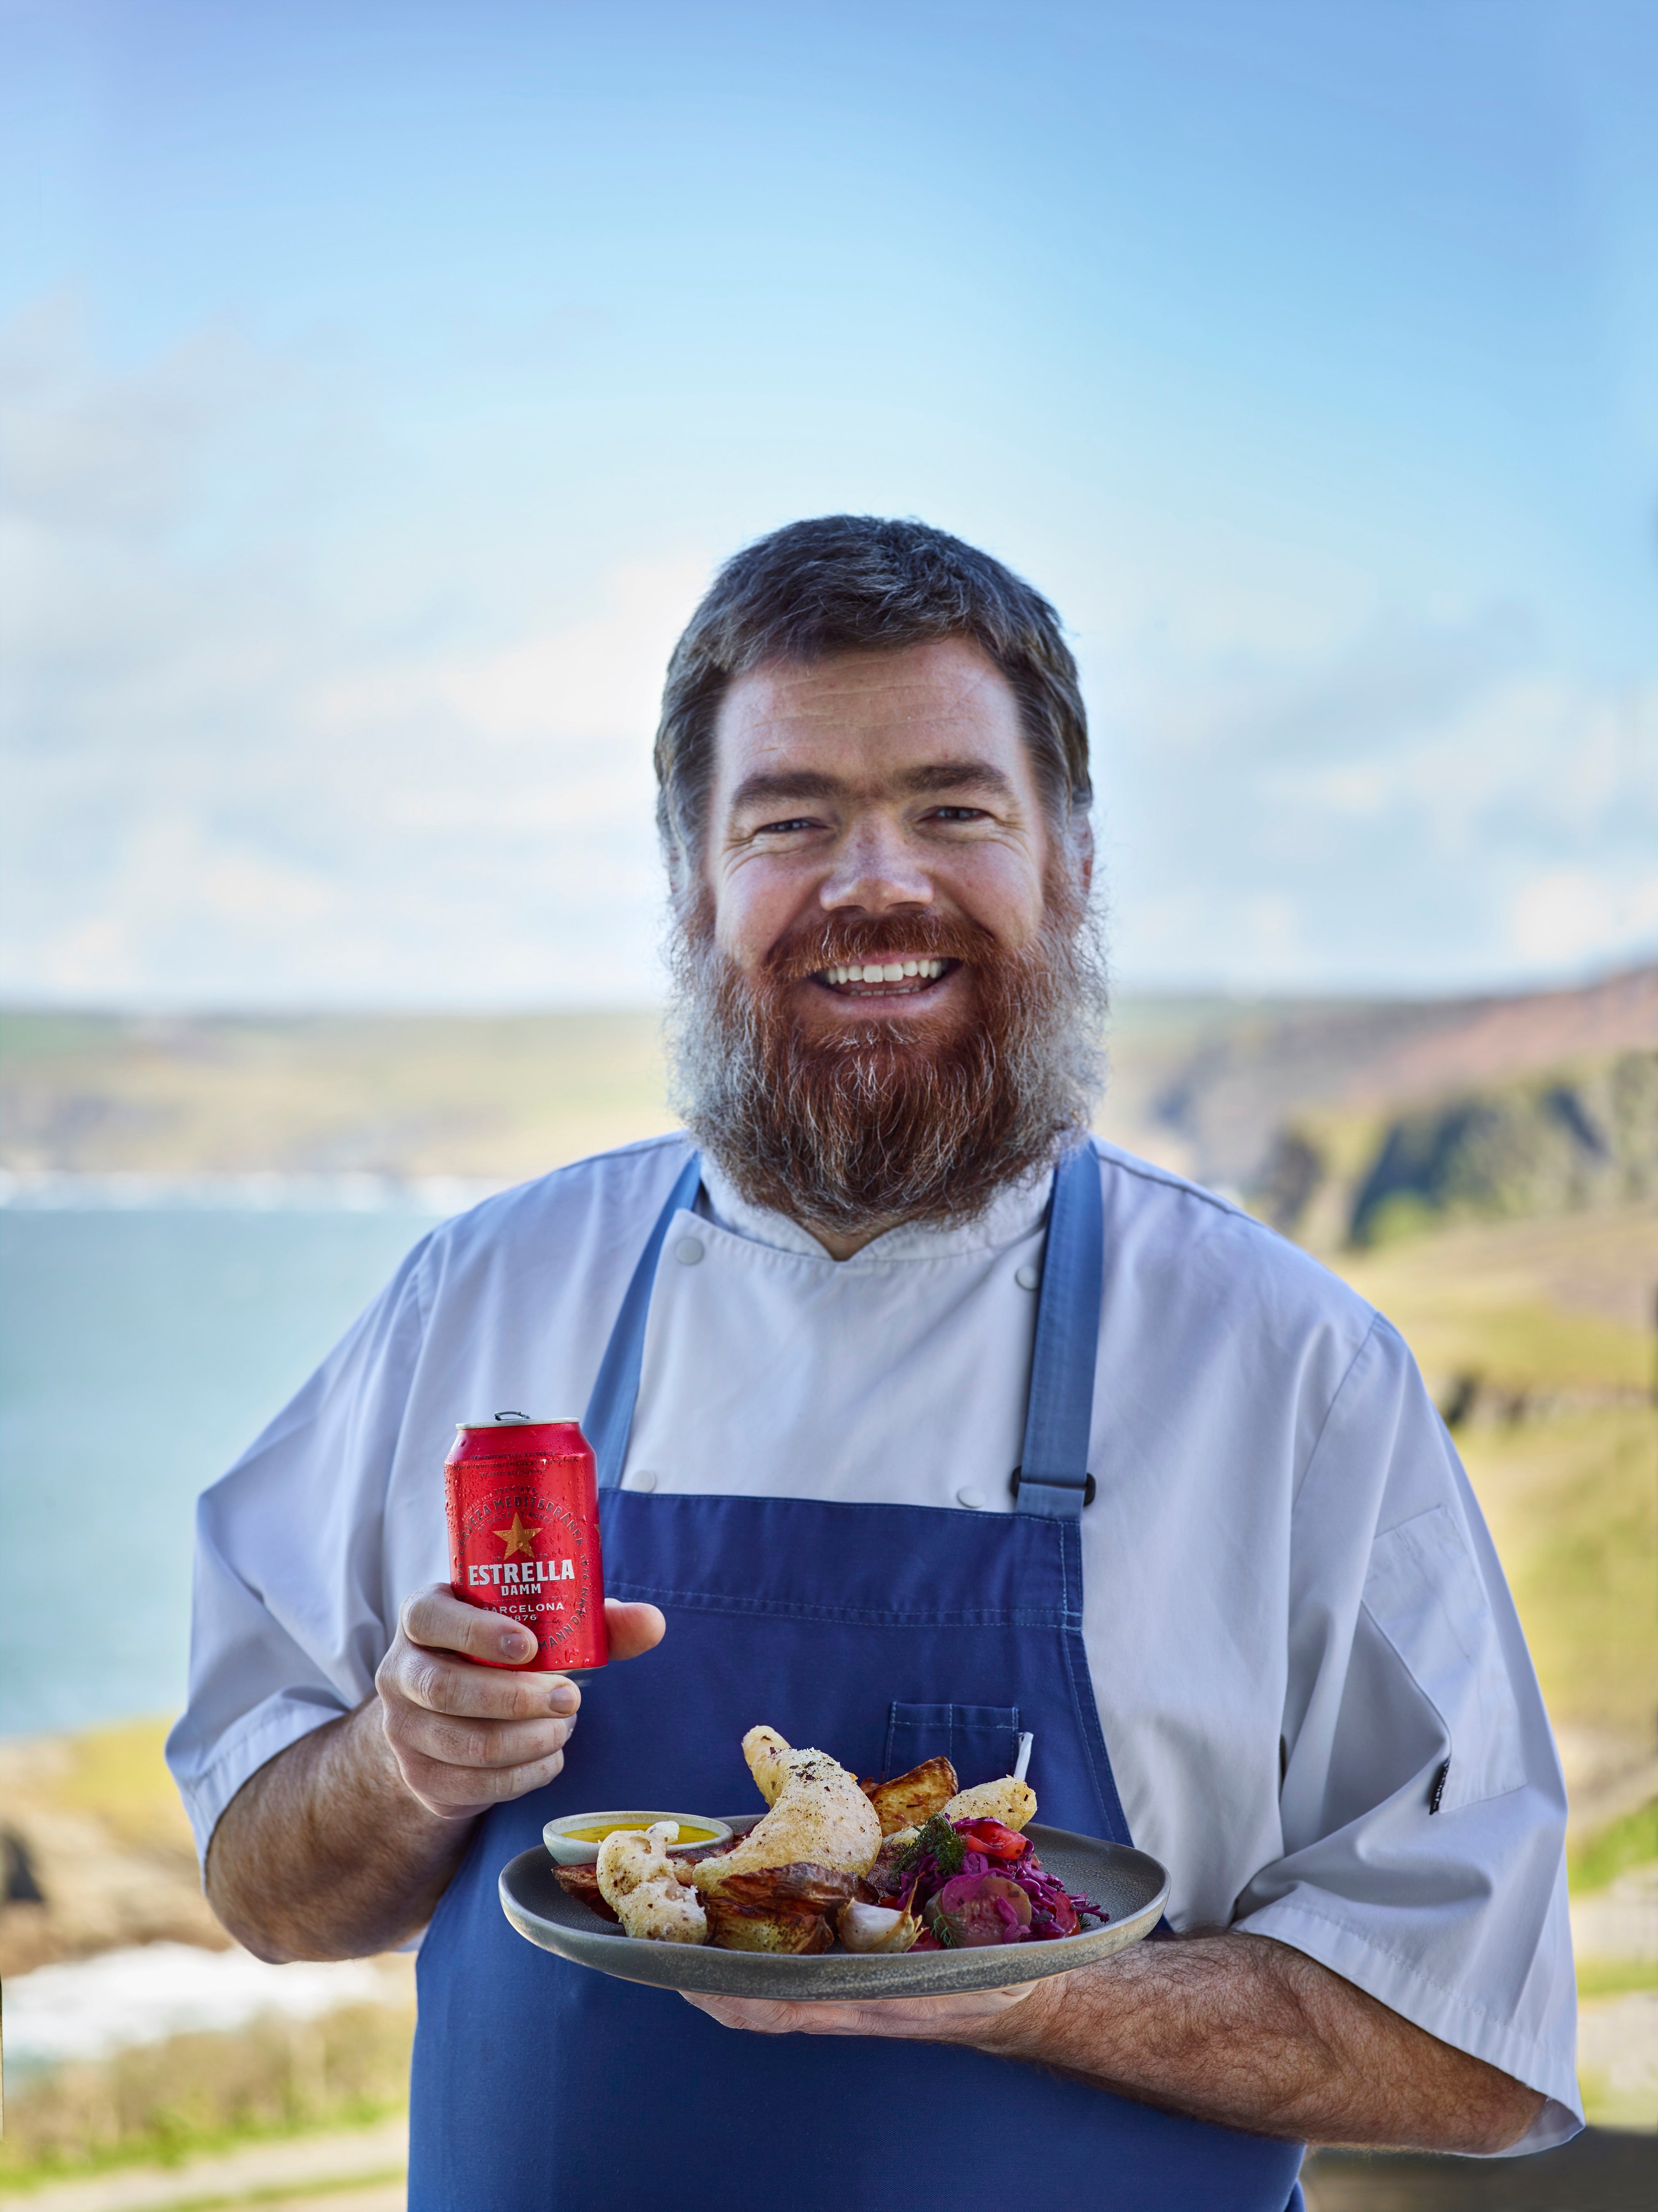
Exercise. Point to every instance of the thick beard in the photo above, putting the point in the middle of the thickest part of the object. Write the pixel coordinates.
(886, 1123)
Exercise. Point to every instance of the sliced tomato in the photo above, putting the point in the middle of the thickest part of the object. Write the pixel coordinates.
(1064, 1916)
(993, 1839)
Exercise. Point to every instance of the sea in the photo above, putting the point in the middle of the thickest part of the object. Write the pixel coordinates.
(149, 1330)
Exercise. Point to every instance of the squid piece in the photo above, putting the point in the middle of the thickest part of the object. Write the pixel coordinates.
(767, 1754)
(652, 1895)
(819, 1816)
(580, 1880)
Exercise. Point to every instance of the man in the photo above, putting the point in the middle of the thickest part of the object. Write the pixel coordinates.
(1292, 1672)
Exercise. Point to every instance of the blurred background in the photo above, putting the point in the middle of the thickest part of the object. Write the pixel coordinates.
(379, 385)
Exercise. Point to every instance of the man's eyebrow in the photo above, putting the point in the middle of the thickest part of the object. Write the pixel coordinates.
(957, 776)
(767, 784)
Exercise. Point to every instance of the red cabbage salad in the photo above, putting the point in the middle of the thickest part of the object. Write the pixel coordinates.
(974, 1882)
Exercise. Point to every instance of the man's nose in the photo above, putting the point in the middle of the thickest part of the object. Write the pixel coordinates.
(876, 872)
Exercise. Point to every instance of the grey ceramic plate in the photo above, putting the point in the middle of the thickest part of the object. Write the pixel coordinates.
(1128, 1884)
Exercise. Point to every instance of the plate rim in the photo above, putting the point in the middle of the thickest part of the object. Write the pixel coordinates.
(788, 1976)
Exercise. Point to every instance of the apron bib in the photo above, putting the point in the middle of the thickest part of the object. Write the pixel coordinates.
(885, 1634)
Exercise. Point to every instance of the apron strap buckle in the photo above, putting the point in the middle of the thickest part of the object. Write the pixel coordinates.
(1088, 1486)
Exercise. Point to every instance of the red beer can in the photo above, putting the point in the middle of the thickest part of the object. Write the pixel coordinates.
(523, 1512)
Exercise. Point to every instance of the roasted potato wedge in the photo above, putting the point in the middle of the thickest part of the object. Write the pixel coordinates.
(910, 1799)
(733, 1927)
(781, 1909)
(581, 1882)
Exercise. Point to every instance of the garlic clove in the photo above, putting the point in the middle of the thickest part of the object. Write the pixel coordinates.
(876, 1927)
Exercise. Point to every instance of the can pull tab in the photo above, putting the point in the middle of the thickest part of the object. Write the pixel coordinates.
(512, 1419)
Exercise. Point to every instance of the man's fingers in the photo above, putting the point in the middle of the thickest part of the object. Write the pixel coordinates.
(439, 1684)
(912, 2019)
(435, 1618)
(632, 1628)
(455, 1793)
(438, 1619)
(480, 1746)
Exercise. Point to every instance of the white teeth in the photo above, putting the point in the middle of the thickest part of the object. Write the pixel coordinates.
(885, 971)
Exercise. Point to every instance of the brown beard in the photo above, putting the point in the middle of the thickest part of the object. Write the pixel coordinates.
(886, 1121)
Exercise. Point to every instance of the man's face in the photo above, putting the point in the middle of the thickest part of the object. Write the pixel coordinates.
(879, 812)
(887, 798)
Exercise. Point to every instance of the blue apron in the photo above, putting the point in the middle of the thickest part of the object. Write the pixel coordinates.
(886, 1633)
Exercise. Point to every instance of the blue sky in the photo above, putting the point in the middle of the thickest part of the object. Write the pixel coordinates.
(379, 384)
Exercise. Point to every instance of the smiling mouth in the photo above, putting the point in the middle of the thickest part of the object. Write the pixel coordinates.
(903, 976)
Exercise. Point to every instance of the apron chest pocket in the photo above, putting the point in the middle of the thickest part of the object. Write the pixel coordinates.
(980, 1742)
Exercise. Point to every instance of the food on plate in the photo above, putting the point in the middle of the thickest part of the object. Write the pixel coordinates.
(690, 1832)
(863, 1927)
(819, 1816)
(971, 1883)
(911, 1864)
(766, 1752)
(650, 1894)
(1013, 1804)
(778, 1909)
(581, 1880)
(912, 1798)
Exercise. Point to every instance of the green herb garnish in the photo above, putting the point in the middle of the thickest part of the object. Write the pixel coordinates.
(948, 1931)
(941, 1840)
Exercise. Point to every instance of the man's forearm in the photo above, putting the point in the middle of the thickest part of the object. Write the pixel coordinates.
(326, 1853)
(1249, 2033)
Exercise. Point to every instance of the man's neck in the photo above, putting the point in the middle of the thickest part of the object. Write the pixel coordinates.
(843, 1244)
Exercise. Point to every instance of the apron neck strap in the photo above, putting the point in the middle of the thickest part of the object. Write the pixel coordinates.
(1053, 1477)
(608, 1420)
(1053, 1469)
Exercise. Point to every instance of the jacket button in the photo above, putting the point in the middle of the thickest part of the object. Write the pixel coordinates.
(970, 1497)
(688, 1251)
(1028, 1278)
(639, 1477)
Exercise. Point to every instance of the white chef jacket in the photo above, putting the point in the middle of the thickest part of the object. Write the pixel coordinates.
(1292, 1612)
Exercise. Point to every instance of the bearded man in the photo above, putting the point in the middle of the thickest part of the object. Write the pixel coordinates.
(1178, 1507)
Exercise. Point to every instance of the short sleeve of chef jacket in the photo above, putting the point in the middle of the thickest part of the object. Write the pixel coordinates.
(1311, 1678)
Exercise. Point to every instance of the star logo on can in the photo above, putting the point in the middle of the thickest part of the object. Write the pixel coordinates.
(517, 1538)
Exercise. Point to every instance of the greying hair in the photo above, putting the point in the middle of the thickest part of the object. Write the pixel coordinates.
(846, 583)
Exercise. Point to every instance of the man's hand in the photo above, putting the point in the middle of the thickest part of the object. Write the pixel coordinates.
(1229, 2028)
(466, 1736)
(343, 1843)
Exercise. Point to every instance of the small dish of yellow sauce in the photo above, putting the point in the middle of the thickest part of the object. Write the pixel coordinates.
(577, 1836)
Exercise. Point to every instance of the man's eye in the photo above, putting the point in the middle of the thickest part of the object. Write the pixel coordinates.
(780, 829)
(958, 814)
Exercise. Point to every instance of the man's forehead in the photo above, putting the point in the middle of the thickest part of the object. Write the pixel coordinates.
(946, 697)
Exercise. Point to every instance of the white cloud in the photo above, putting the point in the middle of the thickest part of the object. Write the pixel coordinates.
(225, 783)
(599, 679)
(1429, 805)
(250, 761)
(1567, 915)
